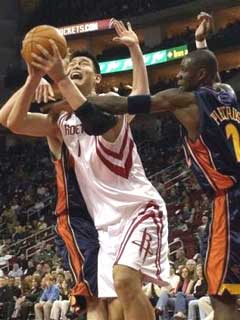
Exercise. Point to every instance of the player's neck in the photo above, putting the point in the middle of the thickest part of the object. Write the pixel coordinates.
(87, 90)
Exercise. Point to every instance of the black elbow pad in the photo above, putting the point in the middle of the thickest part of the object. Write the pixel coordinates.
(95, 122)
(139, 104)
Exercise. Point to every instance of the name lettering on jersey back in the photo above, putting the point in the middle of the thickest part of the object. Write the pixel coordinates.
(225, 113)
(70, 130)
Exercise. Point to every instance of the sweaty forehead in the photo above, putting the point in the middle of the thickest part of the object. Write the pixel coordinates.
(81, 59)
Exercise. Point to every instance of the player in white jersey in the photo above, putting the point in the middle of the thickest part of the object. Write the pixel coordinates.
(117, 194)
(128, 212)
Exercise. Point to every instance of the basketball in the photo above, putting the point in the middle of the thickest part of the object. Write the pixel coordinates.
(41, 35)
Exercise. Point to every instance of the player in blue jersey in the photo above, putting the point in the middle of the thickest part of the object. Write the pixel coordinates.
(210, 121)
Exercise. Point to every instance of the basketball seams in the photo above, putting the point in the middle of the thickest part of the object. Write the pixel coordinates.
(41, 35)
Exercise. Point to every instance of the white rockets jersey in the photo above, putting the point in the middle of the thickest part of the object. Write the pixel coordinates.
(110, 175)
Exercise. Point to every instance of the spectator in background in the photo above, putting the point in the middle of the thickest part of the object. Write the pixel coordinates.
(39, 269)
(16, 271)
(202, 235)
(61, 306)
(46, 268)
(203, 226)
(19, 233)
(41, 223)
(24, 285)
(4, 258)
(30, 268)
(3, 291)
(9, 218)
(30, 299)
(22, 261)
(183, 300)
(168, 299)
(47, 253)
(180, 258)
(43, 308)
(191, 265)
(170, 291)
(10, 294)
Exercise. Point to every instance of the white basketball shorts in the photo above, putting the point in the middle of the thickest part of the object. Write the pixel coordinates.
(140, 242)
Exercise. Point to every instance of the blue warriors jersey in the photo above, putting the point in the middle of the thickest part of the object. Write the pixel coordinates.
(77, 239)
(215, 156)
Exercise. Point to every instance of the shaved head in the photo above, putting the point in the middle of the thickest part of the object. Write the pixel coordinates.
(205, 59)
(198, 68)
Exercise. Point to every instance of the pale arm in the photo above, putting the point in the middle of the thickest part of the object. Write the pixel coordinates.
(21, 121)
(7, 107)
(140, 77)
(127, 37)
(71, 93)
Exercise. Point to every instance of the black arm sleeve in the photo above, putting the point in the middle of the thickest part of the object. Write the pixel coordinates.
(139, 104)
(95, 122)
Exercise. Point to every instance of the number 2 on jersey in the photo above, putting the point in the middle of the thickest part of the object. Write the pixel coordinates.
(232, 133)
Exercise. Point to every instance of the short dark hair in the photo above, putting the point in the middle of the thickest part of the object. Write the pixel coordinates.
(88, 54)
(205, 59)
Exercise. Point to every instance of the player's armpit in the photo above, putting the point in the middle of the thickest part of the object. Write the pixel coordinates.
(171, 100)
(36, 125)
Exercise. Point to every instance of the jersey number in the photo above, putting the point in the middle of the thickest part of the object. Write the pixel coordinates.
(232, 132)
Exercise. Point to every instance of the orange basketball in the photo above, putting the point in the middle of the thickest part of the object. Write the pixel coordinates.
(41, 35)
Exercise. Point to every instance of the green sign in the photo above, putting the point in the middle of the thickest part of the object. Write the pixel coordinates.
(150, 59)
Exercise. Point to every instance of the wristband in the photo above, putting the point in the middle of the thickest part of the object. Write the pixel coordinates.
(139, 104)
(201, 44)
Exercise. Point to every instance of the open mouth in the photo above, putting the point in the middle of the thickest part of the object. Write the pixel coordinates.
(76, 75)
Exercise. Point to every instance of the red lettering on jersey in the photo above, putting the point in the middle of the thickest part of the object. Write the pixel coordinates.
(145, 244)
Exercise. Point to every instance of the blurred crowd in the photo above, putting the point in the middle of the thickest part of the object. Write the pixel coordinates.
(223, 38)
(89, 10)
(186, 296)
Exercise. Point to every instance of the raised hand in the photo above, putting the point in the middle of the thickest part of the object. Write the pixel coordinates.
(44, 92)
(125, 35)
(51, 64)
(205, 26)
(34, 73)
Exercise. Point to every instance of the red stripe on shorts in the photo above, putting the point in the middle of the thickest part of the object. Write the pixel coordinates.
(136, 221)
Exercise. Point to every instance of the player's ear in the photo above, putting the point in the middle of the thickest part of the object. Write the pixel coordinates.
(98, 78)
(202, 74)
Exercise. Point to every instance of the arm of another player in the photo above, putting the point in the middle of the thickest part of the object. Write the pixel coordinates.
(7, 107)
(20, 120)
(202, 32)
(169, 100)
(44, 92)
(129, 38)
(203, 29)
